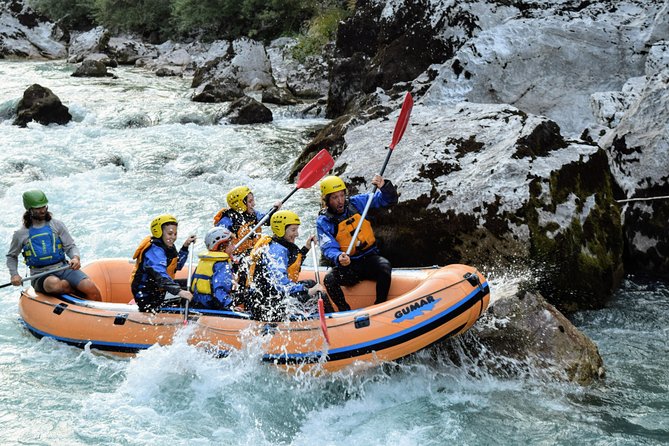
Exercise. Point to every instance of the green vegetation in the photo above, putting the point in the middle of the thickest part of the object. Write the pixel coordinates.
(320, 31)
(74, 14)
(314, 22)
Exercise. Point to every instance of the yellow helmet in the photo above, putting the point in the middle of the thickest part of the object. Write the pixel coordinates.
(158, 222)
(281, 219)
(330, 185)
(236, 197)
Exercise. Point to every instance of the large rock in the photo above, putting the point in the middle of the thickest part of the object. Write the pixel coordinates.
(639, 152)
(523, 335)
(84, 44)
(225, 90)
(127, 50)
(91, 68)
(246, 110)
(388, 42)
(41, 105)
(246, 62)
(308, 79)
(490, 185)
(543, 57)
(559, 62)
(24, 33)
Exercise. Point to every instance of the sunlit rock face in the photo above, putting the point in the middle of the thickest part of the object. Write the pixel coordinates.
(24, 33)
(490, 185)
(127, 50)
(543, 57)
(86, 43)
(307, 79)
(638, 147)
(245, 61)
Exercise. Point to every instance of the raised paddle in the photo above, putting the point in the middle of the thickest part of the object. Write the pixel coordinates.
(37, 276)
(400, 127)
(188, 280)
(321, 305)
(309, 175)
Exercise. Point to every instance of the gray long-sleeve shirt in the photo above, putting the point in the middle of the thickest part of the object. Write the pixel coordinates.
(20, 238)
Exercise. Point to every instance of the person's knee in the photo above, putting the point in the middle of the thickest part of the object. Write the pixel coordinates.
(384, 266)
(55, 285)
(330, 280)
(90, 289)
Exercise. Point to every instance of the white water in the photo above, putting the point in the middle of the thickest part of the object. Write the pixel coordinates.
(54, 394)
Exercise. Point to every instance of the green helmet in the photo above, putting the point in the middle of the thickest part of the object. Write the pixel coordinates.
(34, 199)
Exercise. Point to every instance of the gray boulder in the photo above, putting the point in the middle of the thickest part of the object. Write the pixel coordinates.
(223, 90)
(41, 105)
(128, 50)
(523, 335)
(25, 33)
(278, 96)
(247, 110)
(245, 62)
(84, 44)
(307, 79)
(91, 68)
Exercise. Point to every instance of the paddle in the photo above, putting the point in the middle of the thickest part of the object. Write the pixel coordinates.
(400, 127)
(309, 175)
(321, 305)
(188, 280)
(37, 276)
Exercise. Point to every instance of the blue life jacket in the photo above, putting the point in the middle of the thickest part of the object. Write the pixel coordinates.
(43, 247)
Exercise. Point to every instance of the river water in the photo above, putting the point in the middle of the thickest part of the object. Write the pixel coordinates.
(138, 147)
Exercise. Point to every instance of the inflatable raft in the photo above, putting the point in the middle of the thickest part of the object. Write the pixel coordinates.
(424, 306)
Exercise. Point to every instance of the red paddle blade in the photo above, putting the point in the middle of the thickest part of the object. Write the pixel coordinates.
(315, 169)
(401, 125)
(321, 315)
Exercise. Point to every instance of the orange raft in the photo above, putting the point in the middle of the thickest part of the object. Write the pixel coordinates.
(424, 306)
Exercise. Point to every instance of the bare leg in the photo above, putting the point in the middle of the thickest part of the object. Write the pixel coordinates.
(90, 289)
(54, 285)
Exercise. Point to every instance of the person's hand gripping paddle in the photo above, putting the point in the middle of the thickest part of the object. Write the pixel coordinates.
(309, 175)
(400, 127)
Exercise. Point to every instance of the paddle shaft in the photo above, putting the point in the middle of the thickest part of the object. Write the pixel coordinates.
(188, 280)
(309, 175)
(398, 132)
(37, 276)
(367, 206)
(263, 220)
(321, 305)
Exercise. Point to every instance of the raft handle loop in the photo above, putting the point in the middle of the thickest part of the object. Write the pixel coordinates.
(473, 279)
(120, 318)
(58, 309)
(362, 321)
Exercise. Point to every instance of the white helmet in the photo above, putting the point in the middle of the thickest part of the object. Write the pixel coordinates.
(216, 236)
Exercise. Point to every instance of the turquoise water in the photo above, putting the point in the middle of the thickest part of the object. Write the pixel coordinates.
(138, 147)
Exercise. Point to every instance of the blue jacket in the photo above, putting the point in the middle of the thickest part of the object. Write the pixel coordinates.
(273, 270)
(233, 220)
(151, 279)
(326, 227)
